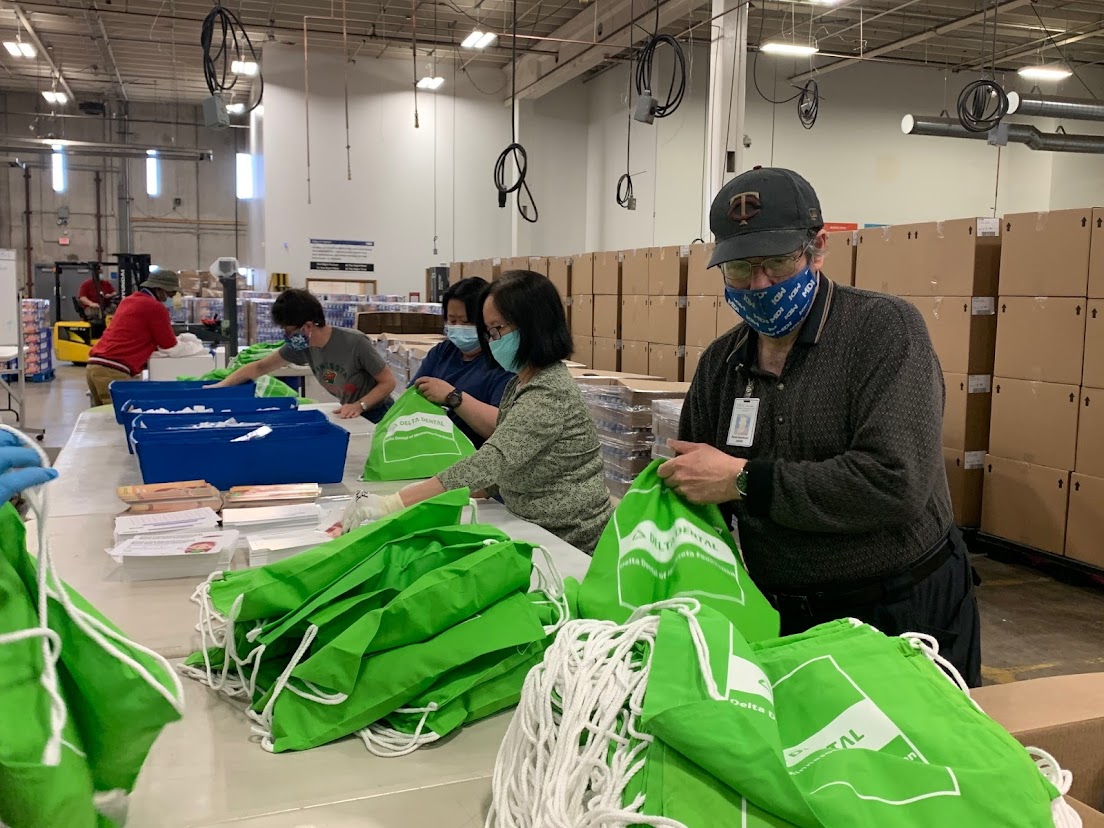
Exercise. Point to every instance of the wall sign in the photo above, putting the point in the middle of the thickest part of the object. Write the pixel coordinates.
(341, 255)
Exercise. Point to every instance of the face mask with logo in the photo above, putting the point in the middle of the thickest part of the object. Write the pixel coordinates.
(298, 341)
(777, 310)
(463, 337)
(505, 351)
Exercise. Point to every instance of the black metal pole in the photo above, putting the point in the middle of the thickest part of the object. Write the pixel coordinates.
(230, 314)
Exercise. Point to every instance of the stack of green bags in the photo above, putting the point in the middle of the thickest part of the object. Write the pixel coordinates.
(671, 701)
(400, 631)
(266, 386)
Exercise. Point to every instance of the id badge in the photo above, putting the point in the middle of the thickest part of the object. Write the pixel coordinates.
(741, 428)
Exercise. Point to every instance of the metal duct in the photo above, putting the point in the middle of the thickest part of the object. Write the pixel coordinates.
(35, 146)
(1024, 134)
(1074, 109)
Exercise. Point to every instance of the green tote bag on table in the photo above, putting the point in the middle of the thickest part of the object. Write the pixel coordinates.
(414, 440)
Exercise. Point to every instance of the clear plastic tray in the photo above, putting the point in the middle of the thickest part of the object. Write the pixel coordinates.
(627, 462)
(665, 419)
(618, 483)
(661, 449)
(628, 416)
(628, 439)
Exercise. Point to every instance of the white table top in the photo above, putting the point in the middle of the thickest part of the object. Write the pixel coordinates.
(208, 770)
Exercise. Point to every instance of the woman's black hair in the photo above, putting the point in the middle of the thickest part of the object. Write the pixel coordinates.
(469, 292)
(295, 307)
(531, 302)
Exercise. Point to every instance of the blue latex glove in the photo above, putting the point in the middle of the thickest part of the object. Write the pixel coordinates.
(20, 467)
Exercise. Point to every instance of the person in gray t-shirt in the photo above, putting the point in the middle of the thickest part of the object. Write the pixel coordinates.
(343, 361)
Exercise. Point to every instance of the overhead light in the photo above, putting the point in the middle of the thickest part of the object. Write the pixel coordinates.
(235, 108)
(154, 268)
(479, 40)
(17, 48)
(153, 174)
(58, 98)
(785, 47)
(244, 175)
(243, 67)
(1044, 73)
(430, 83)
(57, 170)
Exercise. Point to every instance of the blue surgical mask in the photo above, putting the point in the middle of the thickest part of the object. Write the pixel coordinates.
(776, 310)
(463, 337)
(504, 351)
(298, 341)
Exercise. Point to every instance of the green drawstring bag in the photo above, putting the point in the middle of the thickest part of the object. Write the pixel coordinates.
(296, 717)
(414, 440)
(658, 546)
(838, 728)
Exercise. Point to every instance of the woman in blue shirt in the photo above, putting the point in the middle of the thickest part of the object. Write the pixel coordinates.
(455, 374)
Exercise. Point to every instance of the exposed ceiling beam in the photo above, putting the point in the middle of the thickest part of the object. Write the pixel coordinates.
(912, 40)
(1044, 43)
(95, 14)
(42, 50)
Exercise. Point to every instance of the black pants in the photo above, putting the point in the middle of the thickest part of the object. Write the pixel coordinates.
(942, 605)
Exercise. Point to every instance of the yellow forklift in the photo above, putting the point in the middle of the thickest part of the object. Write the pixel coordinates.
(73, 340)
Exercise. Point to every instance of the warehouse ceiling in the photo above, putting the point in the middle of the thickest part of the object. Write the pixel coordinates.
(148, 50)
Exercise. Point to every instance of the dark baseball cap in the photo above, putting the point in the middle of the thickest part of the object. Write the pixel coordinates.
(767, 211)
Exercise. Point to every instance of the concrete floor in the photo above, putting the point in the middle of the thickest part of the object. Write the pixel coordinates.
(1036, 620)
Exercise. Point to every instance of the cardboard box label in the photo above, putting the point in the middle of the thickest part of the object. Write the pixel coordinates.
(974, 460)
(988, 227)
(983, 306)
(979, 384)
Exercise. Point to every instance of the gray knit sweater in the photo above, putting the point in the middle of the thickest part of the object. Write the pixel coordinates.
(545, 459)
(846, 475)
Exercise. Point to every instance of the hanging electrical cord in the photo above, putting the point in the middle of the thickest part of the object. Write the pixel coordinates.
(514, 151)
(676, 90)
(624, 194)
(982, 104)
(808, 104)
(218, 62)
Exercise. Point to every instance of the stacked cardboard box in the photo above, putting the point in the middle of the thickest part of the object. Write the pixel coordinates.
(843, 247)
(707, 313)
(602, 309)
(668, 275)
(1044, 474)
(582, 307)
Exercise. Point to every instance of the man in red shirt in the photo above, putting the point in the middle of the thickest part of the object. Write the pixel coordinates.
(140, 326)
(92, 292)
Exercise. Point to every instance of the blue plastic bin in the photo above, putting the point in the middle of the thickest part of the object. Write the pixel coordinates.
(122, 391)
(292, 453)
(224, 408)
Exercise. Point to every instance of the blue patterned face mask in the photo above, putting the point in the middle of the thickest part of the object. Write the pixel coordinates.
(298, 341)
(776, 310)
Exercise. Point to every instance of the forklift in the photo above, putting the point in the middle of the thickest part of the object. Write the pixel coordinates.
(73, 340)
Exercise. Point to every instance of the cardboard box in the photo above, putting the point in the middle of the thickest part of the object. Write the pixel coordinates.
(1096, 256)
(701, 320)
(667, 320)
(539, 264)
(668, 271)
(634, 357)
(727, 318)
(1025, 504)
(1063, 715)
(607, 317)
(582, 274)
(963, 331)
(665, 361)
(593, 376)
(582, 316)
(1085, 523)
(1040, 338)
(959, 258)
(584, 350)
(690, 364)
(456, 272)
(1034, 422)
(1046, 253)
(559, 273)
(514, 263)
(1090, 433)
(488, 269)
(967, 411)
(842, 252)
(634, 317)
(607, 354)
(966, 477)
(887, 258)
(607, 274)
(1093, 372)
(634, 273)
(399, 323)
(700, 280)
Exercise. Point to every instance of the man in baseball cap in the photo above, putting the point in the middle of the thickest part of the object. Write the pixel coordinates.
(140, 326)
(816, 424)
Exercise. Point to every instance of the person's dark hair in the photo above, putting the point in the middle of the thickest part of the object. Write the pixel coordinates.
(296, 307)
(531, 302)
(470, 293)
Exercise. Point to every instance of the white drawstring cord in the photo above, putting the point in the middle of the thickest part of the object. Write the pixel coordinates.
(388, 743)
(551, 583)
(929, 646)
(59, 713)
(474, 512)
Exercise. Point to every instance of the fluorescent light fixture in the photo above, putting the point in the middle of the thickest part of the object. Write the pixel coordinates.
(479, 40)
(785, 47)
(13, 48)
(235, 108)
(244, 174)
(153, 174)
(27, 49)
(244, 67)
(1045, 73)
(430, 83)
(57, 170)
(17, 48)
(58, 98)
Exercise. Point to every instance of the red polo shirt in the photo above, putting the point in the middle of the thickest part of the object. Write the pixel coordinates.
(88, 290)
(139, 327)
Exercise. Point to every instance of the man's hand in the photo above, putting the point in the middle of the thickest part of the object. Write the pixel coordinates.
(349, 411)
(433, 389)
(701, 473)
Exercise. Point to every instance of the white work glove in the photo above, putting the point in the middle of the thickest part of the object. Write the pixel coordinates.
(367, 507)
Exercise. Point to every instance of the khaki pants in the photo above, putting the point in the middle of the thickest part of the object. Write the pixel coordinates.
(99, 378)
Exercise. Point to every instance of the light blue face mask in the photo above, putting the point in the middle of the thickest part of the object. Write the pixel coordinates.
(504, 351)
(463, 337)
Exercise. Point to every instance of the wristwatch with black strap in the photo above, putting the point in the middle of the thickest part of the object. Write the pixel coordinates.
(453, 400)
(742, 482)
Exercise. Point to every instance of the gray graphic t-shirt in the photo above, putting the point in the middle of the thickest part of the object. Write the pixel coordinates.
(346, 366)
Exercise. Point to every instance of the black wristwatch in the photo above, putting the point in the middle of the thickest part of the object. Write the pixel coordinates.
(742, 482)
(453, 400)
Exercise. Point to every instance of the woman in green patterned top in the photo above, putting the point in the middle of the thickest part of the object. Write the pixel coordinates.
(543, 455)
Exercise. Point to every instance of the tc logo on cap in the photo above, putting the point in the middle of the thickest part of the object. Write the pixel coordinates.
(743, 207)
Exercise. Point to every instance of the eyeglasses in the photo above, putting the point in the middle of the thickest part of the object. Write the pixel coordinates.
(739, 273)
(494, 332)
